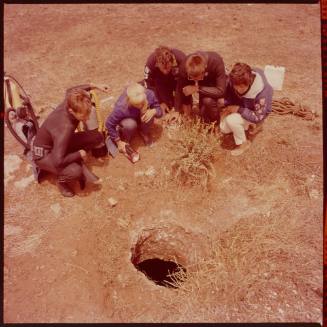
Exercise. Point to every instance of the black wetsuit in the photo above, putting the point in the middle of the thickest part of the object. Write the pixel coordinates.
(56, 145)
(163, 85)
(211, 88)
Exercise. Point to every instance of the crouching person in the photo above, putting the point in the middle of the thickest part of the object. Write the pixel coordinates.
(58, 149)
(134, 111)
(248, 99)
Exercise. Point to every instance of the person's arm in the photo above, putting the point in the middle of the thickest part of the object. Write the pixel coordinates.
(112, 122)
(154, 104)
(261, 108)
(181, 83)
(61, 139)
(149, 67)
(89, 87)
(217, 91)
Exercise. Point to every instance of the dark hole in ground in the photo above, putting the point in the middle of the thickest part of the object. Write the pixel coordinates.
(159, 271)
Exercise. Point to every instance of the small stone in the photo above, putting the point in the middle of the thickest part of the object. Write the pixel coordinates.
(74, 253)
(150, 172)
(314, 194)
(113, 202)
(56, 208)
(23, 183)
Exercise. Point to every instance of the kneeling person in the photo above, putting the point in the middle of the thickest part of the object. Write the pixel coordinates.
(248, 99)
(134, 111)
(60, 150)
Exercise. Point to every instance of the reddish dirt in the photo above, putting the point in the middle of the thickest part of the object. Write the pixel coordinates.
(72, 262)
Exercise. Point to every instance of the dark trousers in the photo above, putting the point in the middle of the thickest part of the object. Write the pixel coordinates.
(129, 126)
(210, 109)
(81, 140)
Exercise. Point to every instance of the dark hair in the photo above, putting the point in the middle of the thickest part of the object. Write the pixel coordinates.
(78, 100)
(164, 55)
(241, 74)
(195, 65)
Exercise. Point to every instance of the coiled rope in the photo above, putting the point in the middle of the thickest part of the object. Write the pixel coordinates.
(285, 106)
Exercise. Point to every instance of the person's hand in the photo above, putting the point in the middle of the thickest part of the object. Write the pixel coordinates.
(228, 110)
(101, 87)
(121, 146)
(83, 154)
(164, 107)
(190, 89)
(149, 114)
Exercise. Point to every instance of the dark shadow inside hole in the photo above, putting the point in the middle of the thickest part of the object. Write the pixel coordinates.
(159, 271)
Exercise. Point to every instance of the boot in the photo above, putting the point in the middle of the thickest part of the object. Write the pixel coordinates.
(65, 190)
(147, 138)
(89, 177)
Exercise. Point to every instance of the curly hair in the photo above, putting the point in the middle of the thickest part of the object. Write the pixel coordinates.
(241, 74)
(164, 56)
(78, 100)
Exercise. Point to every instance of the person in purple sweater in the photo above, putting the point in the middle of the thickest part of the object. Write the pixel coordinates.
(134, 111)
(248, 101)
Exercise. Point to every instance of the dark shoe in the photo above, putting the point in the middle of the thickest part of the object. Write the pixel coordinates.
(82, 183)
(147, 138)
(65, 190)
(89, 177)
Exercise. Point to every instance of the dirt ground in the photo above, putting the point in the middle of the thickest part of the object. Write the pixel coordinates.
(69, 259)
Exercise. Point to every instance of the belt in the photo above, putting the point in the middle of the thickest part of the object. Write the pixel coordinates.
(38, 151)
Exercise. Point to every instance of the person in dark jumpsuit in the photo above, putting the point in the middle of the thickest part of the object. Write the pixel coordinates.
(58, 149)
(161, 73)
(203, 72)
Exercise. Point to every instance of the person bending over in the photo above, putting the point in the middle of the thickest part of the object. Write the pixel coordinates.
(161, 73)
(134, 111)
(58, 149)
(203, 72)
(248, 103)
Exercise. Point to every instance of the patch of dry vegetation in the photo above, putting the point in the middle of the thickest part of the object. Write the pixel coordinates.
(266, 263)
(195, 145)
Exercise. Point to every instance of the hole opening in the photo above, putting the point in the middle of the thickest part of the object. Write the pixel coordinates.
(163, 273)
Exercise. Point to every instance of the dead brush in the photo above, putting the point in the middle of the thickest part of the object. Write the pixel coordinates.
(195, 144)
(256, 264)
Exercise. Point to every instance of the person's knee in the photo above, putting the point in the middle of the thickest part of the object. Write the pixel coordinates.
(97, 137)
(208, 102)
(233, 120)
(70, 172)
(129, 124)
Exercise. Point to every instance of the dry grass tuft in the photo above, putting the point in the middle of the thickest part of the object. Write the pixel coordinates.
(195, 145)
(262, 263)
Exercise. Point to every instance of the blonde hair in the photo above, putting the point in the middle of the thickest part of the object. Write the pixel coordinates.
(136, 93)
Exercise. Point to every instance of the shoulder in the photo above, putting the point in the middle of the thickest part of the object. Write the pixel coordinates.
(266, 86)
(151, 61)
(150, 94)
(179, 55)
(215, 58)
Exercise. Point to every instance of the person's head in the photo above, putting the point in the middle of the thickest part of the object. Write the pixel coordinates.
(195, 66)
(136, 96)
(79, 104)
(165, 59)
(241, 77)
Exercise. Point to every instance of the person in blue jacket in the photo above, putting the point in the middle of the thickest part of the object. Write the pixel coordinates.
(248, 102)
(134, 111)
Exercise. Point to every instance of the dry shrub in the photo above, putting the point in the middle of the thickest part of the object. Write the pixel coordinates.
(260, 269)
(195, 145)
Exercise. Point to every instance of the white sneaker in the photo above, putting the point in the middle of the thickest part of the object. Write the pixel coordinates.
(241, 148)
